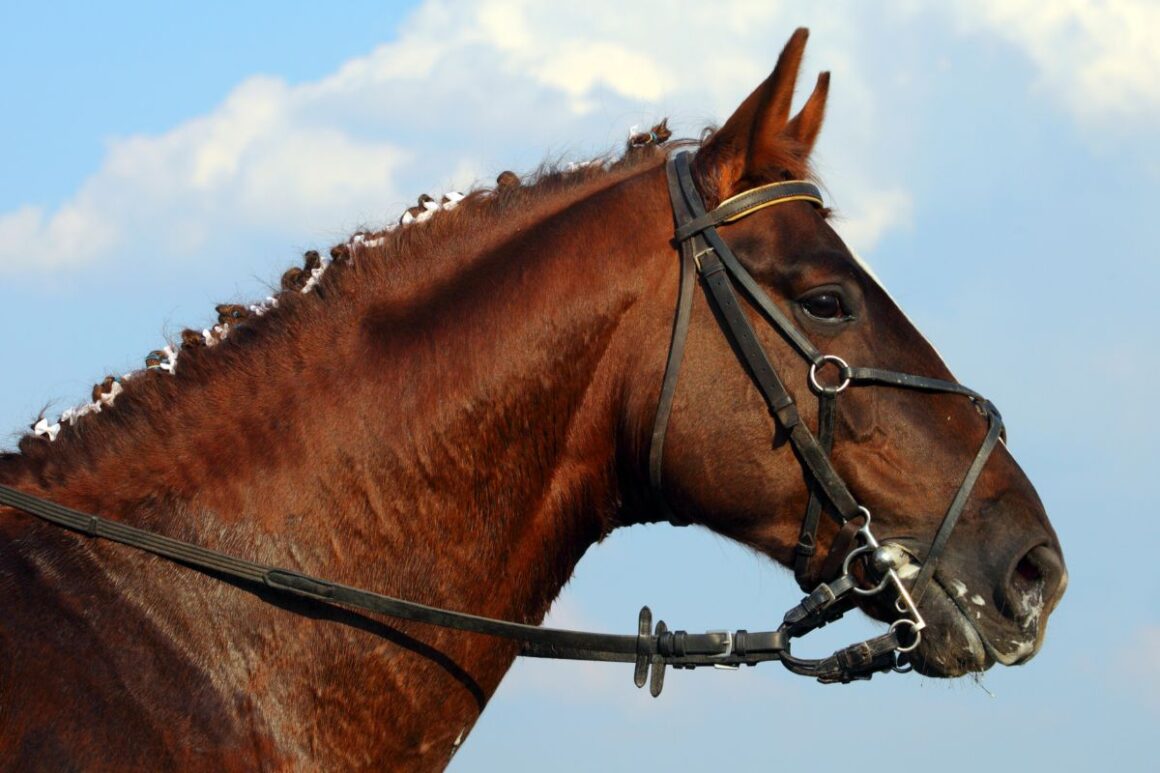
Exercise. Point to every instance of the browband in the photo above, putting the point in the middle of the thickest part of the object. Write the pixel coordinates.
(748, 202)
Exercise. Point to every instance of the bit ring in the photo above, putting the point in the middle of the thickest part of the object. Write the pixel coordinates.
(917, 635)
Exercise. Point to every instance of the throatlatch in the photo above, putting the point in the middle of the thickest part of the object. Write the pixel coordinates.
(705, 255)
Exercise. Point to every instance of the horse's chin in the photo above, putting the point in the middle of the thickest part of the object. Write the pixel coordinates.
(955, 644)
(951, 644)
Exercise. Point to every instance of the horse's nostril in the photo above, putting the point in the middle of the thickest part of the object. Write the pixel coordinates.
(1036, 581)
(1028, 571)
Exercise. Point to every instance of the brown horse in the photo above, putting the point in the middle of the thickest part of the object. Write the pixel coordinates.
(452, 413)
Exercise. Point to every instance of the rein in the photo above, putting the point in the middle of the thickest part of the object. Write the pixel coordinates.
(651, 649)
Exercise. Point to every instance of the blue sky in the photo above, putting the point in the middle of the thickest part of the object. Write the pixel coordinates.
(996, 161)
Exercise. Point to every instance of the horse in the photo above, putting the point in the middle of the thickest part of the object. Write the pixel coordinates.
(451, 411)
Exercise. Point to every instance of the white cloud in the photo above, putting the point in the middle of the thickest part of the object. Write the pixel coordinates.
(252, 163)
(29, 235)
(465, 87)
(1100, 58)
(874, 214)
(477, 86)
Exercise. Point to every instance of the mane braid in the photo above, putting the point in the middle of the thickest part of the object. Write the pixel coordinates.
(428, 239)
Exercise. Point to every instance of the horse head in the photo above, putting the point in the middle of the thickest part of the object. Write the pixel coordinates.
(955, 517)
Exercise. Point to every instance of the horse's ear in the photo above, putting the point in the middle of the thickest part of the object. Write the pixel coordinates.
(804, 127)
(759, 141)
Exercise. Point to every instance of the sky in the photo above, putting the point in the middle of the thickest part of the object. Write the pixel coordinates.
(996, 161)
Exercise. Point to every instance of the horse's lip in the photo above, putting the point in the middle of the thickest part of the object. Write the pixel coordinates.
(976, 641)
(1020, 655)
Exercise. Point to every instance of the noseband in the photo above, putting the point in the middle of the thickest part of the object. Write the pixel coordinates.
(703, 253)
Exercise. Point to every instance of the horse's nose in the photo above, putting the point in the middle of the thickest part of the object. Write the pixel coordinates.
(1035, 584)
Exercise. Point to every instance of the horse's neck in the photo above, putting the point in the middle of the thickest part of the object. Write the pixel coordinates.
(460, 451)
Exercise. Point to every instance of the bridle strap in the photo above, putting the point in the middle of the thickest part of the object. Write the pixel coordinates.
(684, 312)
(807, 544)
(677, 648)
(650, 651)
(908, 381)
(750, 201)
(768, 309)
(938, 544)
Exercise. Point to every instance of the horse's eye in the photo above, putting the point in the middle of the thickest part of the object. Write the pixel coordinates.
(826, 306)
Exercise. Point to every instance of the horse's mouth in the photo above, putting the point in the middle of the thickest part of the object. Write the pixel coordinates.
(957, 641)
(963, 634)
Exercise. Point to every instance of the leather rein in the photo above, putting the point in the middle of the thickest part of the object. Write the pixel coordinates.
(704, 254)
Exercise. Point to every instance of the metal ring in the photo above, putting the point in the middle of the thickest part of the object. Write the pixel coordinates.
(870, 546)
(872, 591)
(898, 667)
(864, 529)
(852, 555)
(917, 635)
(828, 390)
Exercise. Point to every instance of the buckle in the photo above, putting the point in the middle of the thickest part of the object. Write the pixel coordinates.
(727, 653)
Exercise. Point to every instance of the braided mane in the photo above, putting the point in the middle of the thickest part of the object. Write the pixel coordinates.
(427, 247)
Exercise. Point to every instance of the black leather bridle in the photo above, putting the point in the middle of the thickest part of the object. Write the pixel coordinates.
(703, 253)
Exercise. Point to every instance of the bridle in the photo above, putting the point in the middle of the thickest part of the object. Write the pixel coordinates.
(703, 253)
